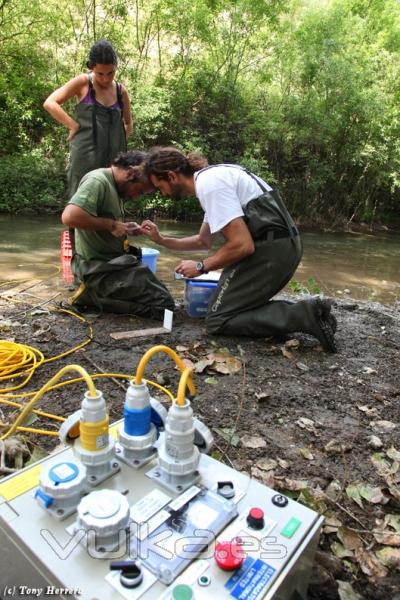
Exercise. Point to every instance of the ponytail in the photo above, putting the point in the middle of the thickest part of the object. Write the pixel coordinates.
(164, 159)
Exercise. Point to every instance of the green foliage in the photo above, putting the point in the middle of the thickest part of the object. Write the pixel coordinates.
(31, 182)
(310, 287)
(305, 93)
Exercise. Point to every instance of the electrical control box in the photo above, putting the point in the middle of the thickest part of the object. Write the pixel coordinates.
(224, 537)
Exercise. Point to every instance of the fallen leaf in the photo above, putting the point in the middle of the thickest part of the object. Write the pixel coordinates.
(266, 464)
(292, 343)
(295, 485)
(372, 494)
(211, 380)
(369, 564)
(228, 367)
(305, 423)
(284, 464)
(253, 442)
(394, 491)
(369, 371)
(286, 353)
(387, 539)
(37, 453)
(383, 425)
(390, 557)
(349, 538)
(381, 463)
(375, 442)
(336, 447)
(188, 363)
(302, 366)
(334, 490)
(306, 453)
(267, 477)
(346, 592)
(340, 551)
(201, 365)
(181, 348)
(393, 521)
(272, 350)
(261, 396)
(353, 492)
(367, 410)
(314, 499)
(228, 435)
(393, 454)
(331, 524)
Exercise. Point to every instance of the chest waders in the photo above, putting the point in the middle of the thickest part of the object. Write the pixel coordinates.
(241, 304)
(100, 137)
(123, 285)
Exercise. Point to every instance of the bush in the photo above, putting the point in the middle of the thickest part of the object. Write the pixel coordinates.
(31, 182)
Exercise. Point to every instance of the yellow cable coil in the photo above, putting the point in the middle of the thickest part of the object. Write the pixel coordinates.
(17, 360)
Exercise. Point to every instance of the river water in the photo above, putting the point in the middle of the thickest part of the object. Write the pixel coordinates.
(355, 265)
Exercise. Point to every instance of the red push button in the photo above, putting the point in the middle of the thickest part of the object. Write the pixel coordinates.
(229, 555)
(255, 518)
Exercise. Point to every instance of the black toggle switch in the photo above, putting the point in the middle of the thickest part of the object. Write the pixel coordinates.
(280, 500)
(131, 573)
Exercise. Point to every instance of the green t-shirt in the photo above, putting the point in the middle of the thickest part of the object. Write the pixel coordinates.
(98, 195)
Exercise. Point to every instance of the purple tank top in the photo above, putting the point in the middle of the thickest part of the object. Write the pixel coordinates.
(88, 99)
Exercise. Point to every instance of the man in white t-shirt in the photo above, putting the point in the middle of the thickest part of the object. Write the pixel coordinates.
(260, 253)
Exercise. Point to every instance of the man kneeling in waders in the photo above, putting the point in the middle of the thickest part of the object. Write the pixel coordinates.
(112, 275)
(260, 252)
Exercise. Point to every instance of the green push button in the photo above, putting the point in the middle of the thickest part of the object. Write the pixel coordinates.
(291, 527)
(182, 592)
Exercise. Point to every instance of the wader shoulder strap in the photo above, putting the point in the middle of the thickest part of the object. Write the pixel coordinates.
(120, 99)
(292, 230)
(94, 107)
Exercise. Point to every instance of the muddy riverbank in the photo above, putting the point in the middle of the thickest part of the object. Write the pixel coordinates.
(323, 428)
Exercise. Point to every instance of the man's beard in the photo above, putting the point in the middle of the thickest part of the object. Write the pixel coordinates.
(123, 190)
(177, 191)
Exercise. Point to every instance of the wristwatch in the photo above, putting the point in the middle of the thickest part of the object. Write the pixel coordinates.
(200, 267)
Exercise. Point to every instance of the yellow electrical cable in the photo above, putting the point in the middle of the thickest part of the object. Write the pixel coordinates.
(39, 413)
(38, 431)
(183, 382)
(13, 358)
(75, 348)
(94, 376)
(68, 382)
(17, 360)
(178, 361)
(39, 394)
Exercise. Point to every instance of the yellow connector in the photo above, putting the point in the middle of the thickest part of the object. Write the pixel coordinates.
(94, 436)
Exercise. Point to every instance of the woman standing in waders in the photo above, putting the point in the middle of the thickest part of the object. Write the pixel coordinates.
(102, 120)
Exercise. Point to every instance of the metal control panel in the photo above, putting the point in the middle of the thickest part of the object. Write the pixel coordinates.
(226, 537)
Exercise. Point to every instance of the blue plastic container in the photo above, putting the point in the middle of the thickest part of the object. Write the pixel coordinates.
(197, 296)
(149, 257)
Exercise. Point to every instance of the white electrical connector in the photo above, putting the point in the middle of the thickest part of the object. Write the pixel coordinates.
(137, 434)
(178, 457)
(94, 447)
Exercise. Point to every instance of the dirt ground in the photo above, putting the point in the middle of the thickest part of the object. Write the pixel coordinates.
(323, 428)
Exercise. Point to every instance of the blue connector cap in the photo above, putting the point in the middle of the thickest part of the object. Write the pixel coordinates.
(44, 499)
(137, 422)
